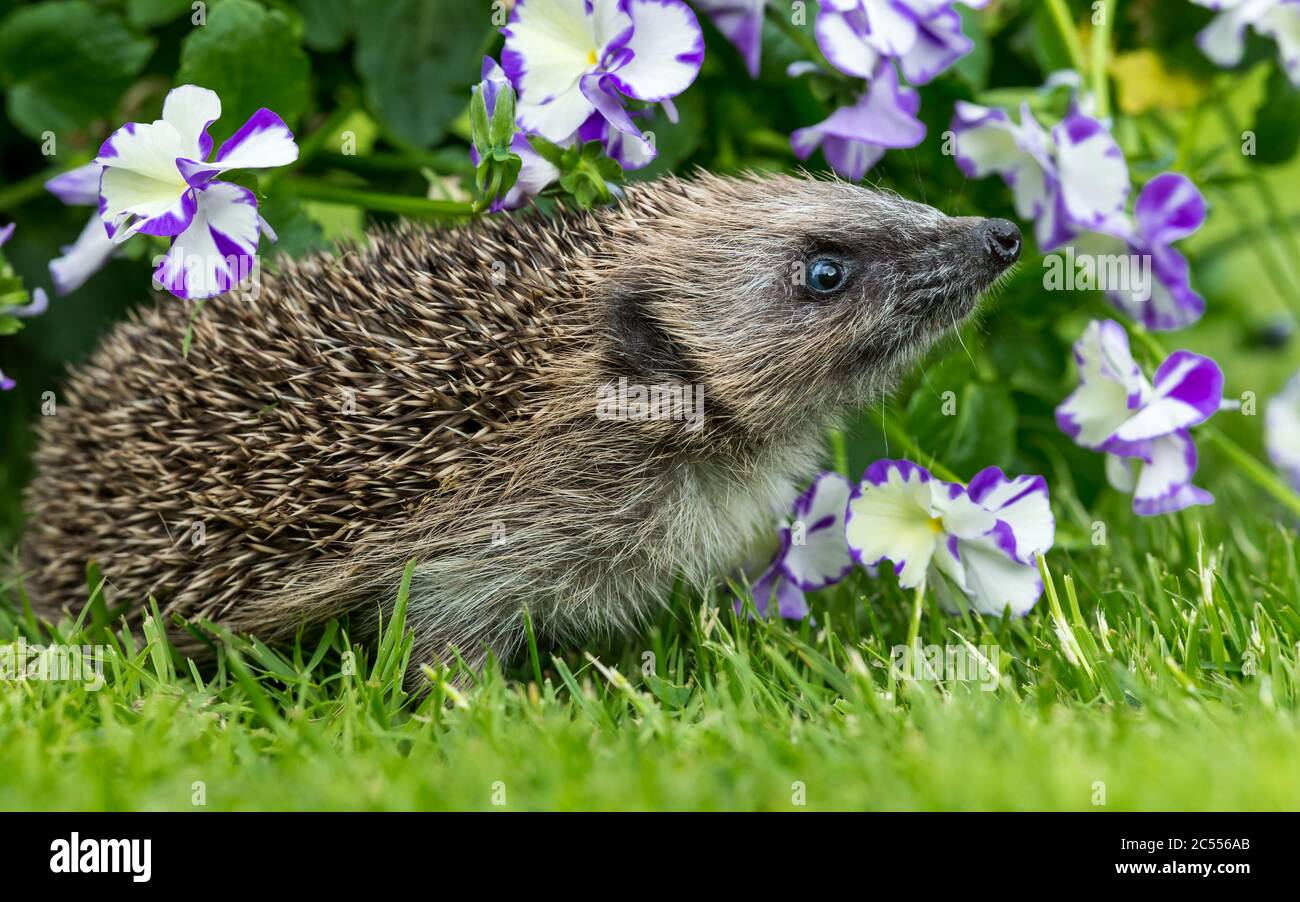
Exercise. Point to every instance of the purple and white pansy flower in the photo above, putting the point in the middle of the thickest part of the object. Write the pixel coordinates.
(1070, 179)
(1169, 208)
(976, 545)
(87, 255)
(741, 23)
(1282, 431)
(854, 138)
(1224, 39)
(1116, 410)
(157, 180)
(572, 60)
(924, 36)
(812, 553)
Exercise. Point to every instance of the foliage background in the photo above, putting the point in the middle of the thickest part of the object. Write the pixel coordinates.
(396, 77)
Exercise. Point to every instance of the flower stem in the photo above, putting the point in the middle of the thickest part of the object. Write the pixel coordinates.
(1282, 274)
(1100, 56)
(914, 625)
(405, 205)
(1069, 34)
(1248, 465)
(20, 192)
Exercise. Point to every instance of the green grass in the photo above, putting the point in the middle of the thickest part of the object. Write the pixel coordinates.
(1130, 674)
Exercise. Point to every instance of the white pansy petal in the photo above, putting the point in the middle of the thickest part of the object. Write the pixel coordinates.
(142, 189)
(1111, 386)
(218, 250)
(893, 27)
(1188, 390)
(610, 24)
(131, 202)
(1282, 24)
(262, 142)
(823, 557)
(984, 141)
(889, 518)
(190, 110)
(1165, 483)
(549, 45)
(559, 118)
(1120, 473)
(83, 258)
(1022, 504)
(843, 45)
(1282, 430)
(1092, 171)
(667, 48)
(995, 582)
(1224, 39)
(961, 517)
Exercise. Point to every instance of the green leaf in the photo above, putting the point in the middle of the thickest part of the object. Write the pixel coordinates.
(417, 60)
(975, 66)
(965, 426)
(63, 64)
(148, 13)
(1277, 121)
(9, 324)
(329, 23)
(552, 153)
(297, 233)
(251, 57)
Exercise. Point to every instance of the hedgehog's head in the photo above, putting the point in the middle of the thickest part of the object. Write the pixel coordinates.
(789, 299)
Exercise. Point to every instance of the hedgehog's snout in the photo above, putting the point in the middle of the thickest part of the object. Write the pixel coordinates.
(1001, 239)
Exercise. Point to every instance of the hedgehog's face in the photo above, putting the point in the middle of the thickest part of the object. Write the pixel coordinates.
(790, 299)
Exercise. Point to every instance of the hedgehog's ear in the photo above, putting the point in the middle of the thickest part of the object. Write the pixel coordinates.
(643, 346)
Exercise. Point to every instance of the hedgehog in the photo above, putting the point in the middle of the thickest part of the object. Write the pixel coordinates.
(471, 400)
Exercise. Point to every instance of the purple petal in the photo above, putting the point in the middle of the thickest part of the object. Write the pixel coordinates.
(1169, 208)
(77, 187)
(939, 44)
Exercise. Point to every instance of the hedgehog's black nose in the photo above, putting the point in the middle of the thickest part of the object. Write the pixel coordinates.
(1001, 239)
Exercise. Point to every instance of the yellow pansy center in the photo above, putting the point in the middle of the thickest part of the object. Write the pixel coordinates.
(591, 58)
(936, 525)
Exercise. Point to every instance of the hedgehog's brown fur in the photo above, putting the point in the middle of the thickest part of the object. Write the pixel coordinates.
(429, 396)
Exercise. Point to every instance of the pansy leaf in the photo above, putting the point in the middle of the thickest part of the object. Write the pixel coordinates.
(63, 64)
(328, 23)
(547, 150)
(966, 427)
(1277, 121)
(9, 324)
(148, 13)
(416, 58)
(252, 58)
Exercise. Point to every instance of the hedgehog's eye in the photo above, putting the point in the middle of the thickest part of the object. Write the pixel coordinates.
(825, 275)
